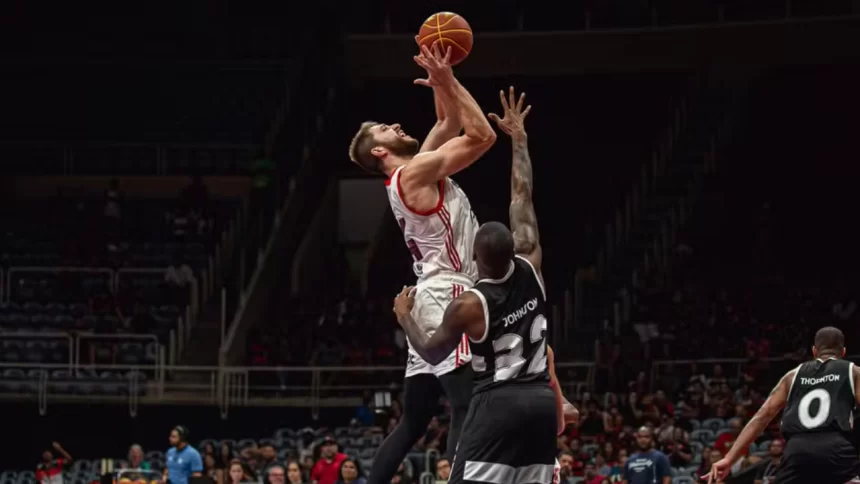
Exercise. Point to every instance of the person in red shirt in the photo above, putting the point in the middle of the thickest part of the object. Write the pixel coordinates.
(726, 439)
(50, 470)
(591, 475)
(326, 470)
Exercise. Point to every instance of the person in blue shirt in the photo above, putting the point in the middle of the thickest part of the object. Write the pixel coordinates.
(183, 461)
(647, 465)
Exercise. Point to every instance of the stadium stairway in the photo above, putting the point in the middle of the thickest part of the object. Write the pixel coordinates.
(289, 143)
(708, 129)
(306, 131)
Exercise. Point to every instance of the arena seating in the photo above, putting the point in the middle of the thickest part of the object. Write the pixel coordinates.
(69, 272)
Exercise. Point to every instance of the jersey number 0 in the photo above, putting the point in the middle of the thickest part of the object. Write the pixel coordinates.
(812, 421)
(509, 353)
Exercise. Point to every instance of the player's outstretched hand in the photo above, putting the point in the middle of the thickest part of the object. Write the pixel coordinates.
(403, 302)
(437, 64)
(719, 471)
(513, 122)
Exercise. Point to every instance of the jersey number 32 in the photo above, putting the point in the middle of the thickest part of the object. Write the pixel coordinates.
(509, 353)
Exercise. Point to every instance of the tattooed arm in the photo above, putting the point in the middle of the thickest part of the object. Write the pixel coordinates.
(770, 409)
(522, 211)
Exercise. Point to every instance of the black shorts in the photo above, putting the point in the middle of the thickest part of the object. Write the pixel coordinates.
(820, 458)
(509, 437)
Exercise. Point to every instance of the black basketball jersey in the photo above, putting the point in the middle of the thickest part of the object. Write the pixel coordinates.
(513, 349)
(821, 398)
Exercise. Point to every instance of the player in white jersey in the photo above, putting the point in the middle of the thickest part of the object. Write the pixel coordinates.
(439, 228)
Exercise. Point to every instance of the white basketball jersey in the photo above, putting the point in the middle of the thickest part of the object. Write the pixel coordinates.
(441, 240)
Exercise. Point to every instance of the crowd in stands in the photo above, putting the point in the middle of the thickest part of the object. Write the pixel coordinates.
(691, 430)
(108, 265)
(348, 331)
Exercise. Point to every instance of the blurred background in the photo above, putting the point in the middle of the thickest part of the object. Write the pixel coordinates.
(183, 240)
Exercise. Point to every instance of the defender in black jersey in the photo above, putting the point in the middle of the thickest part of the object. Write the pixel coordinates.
(819, 397)
(509, 436)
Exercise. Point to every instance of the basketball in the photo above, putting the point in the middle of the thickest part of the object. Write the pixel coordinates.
(449, 30)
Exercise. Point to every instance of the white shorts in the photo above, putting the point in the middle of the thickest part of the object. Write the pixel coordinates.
(432, 297)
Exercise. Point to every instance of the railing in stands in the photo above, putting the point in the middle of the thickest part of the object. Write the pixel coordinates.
(45, 337)
(200, 292)
(229, 387)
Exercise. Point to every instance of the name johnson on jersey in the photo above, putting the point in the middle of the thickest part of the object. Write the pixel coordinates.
(520, 313)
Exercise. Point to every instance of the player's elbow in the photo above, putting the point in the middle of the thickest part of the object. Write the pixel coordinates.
(482, 139)
(489, 139)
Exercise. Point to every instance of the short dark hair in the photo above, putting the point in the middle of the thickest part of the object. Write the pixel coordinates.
(830, 341)
(494, 245)
(360, 147)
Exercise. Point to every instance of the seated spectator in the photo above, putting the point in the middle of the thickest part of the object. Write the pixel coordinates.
(571, 466)
(708, 458)
(239, 473)
(261, 458)
(601, 466)
(276, 474)
(136, 458)
(767, 472)
(726, 439)
(350, 473)
(677, 448)
(443, 470)
(209, 469)
(327, 468)
(294, 473)
(226, 455)
(591, 475)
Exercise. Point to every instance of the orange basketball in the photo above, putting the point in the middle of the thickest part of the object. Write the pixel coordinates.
(449, 30)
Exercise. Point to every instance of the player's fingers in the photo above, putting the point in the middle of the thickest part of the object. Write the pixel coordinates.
(526, 112)
(448, 55)
(418, 40)
(425, 51)
(503, 99)
(435, 50)
(422, 82)
(520, 101)
(512, 100)
(493, 117)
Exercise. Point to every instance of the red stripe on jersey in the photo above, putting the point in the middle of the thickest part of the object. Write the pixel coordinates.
(459, 263)
(445, 217)
(419, 212)
(463, 346)
(454, 296)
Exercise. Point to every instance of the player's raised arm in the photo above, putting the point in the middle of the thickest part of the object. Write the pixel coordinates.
(770, 409)
(522, 212)
(447, 120)
(463, 315)
(447, 125)
(456, 154)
